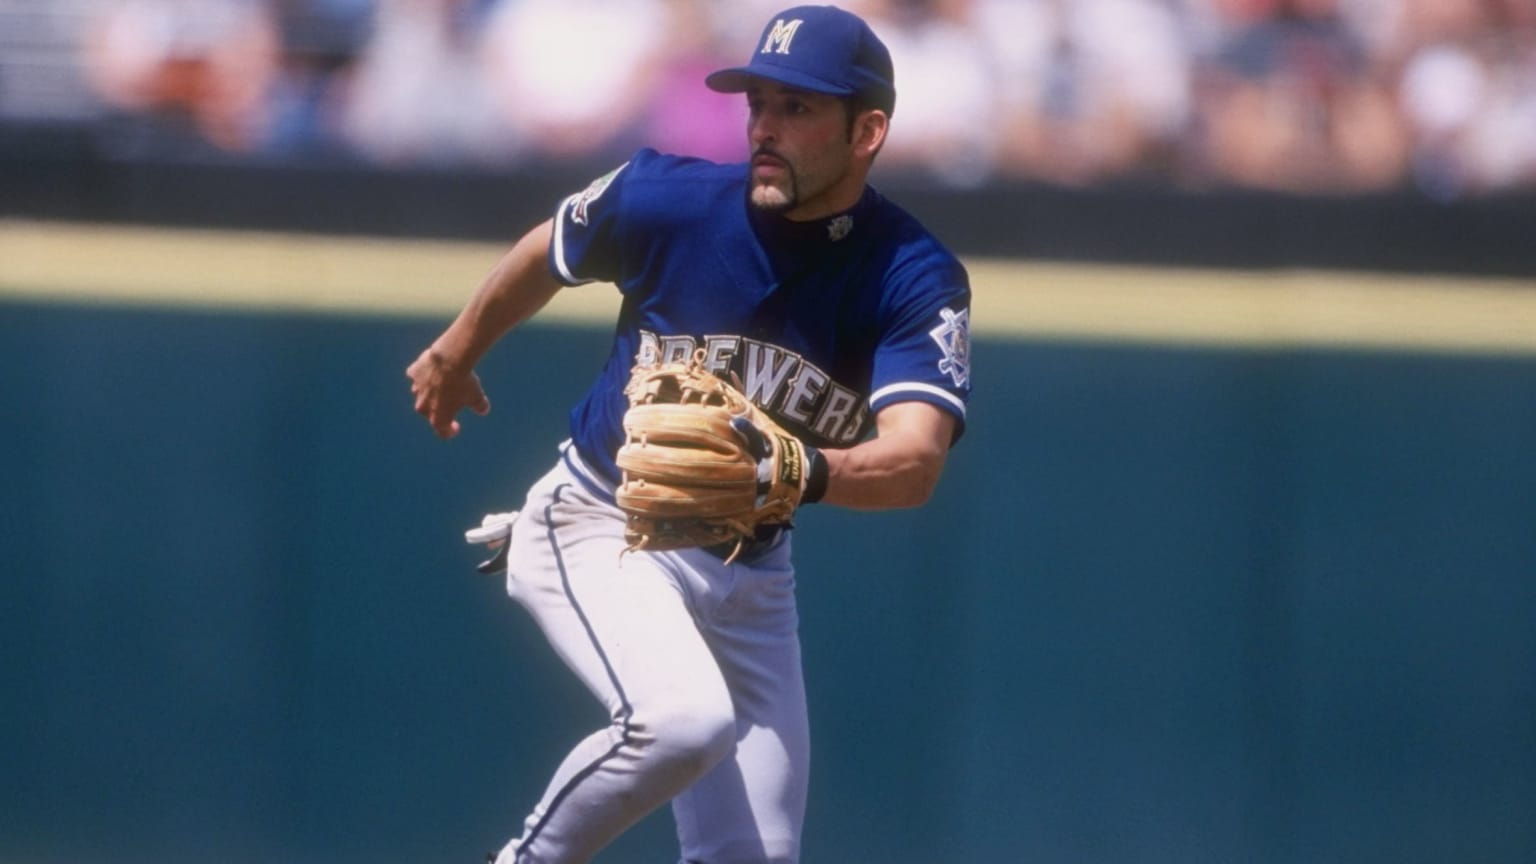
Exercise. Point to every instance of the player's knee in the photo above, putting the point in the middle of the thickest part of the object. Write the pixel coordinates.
(688, 741)
(698, 740)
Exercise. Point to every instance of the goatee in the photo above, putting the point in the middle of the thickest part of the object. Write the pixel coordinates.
(774, 197)
(771, 199)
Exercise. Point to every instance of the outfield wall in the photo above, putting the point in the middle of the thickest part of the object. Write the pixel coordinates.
(1176, 600)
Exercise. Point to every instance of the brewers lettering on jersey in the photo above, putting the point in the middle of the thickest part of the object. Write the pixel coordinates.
(840, 316)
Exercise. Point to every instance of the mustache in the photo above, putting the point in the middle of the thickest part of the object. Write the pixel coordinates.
(765, 150)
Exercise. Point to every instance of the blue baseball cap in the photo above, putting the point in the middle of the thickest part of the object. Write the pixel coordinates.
(822, 49)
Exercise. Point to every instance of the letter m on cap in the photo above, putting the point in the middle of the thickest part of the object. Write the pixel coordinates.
(780, 36)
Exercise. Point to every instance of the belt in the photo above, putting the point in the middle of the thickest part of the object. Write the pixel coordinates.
(753, 547)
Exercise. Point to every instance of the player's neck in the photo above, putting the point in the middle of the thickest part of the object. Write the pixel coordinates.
(838, 199)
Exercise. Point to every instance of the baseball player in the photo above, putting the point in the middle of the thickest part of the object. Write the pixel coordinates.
(840, 317)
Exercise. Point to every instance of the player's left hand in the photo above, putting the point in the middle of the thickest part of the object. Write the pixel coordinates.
(701, 464)
(441, 391)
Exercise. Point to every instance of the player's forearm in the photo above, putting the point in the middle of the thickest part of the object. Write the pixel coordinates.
(518, 286)
(900, 467)
(884, 473)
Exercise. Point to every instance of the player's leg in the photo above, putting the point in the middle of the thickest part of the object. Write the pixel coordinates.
(750, 808)
(625, 630)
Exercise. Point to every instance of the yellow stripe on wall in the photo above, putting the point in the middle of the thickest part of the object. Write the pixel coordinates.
(1289, 308)
(239, 270)
(247, 270)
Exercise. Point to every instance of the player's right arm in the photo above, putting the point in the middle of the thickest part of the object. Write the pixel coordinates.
(899, 467)
(443, 378)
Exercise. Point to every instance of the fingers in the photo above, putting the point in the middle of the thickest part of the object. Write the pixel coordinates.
(756, 442)
(440, 420)
(475, 400)
(438, 398)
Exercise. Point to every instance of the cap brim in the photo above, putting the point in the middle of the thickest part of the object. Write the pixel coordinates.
(738, 79)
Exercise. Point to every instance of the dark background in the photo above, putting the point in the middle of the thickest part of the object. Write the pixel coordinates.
(65, 173)
(1169, 605)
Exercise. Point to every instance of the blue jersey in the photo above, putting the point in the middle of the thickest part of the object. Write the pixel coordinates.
(825, 322)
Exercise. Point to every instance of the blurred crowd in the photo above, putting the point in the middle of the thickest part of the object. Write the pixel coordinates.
(1311, 96)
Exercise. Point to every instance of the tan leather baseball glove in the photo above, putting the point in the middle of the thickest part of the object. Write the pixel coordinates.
(702, 465)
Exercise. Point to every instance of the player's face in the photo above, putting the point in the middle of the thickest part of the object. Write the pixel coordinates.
(802, 153)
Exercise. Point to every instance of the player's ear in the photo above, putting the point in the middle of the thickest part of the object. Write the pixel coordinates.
(869, 132)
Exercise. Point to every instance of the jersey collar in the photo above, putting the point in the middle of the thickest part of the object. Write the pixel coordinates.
(779, 233)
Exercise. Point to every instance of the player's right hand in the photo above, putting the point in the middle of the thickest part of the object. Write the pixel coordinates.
(442, 390)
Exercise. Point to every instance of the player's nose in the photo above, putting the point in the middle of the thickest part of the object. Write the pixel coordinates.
(761, 131)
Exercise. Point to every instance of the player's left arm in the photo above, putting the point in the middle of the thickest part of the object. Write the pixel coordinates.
(900, 466)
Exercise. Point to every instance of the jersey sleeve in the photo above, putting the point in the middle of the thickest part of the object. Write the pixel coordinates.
(924, 354)
(586, 246)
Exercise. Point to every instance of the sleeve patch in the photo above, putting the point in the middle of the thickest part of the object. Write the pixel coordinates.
(954, 337)
(593, 191)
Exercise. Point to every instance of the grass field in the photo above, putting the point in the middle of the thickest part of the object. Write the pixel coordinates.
(76, 263)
